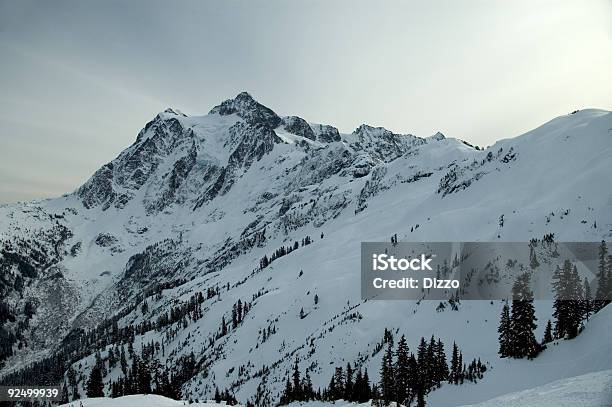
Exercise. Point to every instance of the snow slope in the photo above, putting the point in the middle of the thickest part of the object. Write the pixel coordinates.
(588, 390)
(591, 351)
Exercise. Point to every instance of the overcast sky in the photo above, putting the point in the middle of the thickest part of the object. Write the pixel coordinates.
(79, 79)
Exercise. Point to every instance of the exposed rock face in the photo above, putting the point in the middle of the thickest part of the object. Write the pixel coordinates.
(255, 141)
(117, 182)
(99, 189)
(298, 126)
(174, 179)
(325, 133)
(383, 144)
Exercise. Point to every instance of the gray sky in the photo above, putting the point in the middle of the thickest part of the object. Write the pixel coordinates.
(79, 79)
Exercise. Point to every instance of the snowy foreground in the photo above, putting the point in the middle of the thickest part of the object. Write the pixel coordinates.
(589, 390)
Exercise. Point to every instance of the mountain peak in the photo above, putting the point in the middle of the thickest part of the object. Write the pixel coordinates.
(244, 96)
(249, 109)
(175, 112)
(370, 130)
(438, 136)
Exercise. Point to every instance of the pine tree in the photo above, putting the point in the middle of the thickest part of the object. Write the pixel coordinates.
(95, 385)
(569, 300)
(441, 364)
(356, 395)
(387, 376)
(602, 279)
(348, 382)
(366, 393)
(339, 380)
(223, 326)
(297, 388)
(332, 389)
(587, 305)
(461, 371)
(522, 320)
(548, 337)
(123, 361)
(504, 332)
(287, 396)
(431, 364)
(423, 362)
(453, 377)
(307, 390)
(402, 371)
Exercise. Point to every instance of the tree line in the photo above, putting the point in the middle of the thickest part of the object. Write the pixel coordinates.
(404, 376)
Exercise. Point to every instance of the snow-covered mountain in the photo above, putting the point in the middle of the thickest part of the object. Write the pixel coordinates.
(194, 204)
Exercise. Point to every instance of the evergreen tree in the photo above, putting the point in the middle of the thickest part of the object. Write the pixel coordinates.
(123, 361)
(356, 395)
(366, 393)
(461, 371)
(95, 385)
(307, 390)
(424, 369)
(504, 331)
(387, 376)
(441, 364)
(413, 378)
(339, 380)
(402, 371)
(548, 336)
(287, 396)
(453, 377)
(602, 279)
(569, 301)
(523, 320)
(223, 326)
(332, 390)
(297, 388)
(431, 364)
(587, 305)
(348, 382)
